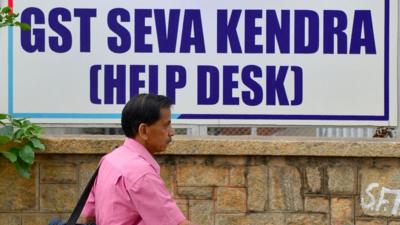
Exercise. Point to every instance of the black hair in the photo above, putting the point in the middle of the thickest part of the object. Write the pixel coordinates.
(143, 108)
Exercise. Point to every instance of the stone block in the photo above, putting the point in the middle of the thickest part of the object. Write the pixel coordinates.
(284, 192)
(16, 193)
(230, 219)
(358, 210)
(306, 219)
(165, 160)
(195, 160)
(183, 205)
(230, 161)
(342, 211)
(86, 171)
(384, 162)
(201, 175)
(42, 219)
(371, 222)
(265, 219)
(341, 180)
(316, 204)
(58, 173)
(250, 219)
(167, 173)
(58, 197)
(257, 160)
(201, 211)
(314, 177)
(236, 176)
(230, 199)
(196, 192)
(257, 188)
(10, 219)
(379, 189)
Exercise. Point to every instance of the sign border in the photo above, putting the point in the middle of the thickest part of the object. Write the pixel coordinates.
(384, 117)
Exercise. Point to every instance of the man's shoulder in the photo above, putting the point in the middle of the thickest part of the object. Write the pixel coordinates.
(130, 165)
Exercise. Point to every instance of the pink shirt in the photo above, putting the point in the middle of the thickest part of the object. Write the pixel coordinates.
(129, 190)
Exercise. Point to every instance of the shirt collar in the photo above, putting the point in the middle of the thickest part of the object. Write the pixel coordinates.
(142, 152)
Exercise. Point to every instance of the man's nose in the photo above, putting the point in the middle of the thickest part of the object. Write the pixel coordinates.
(171, 132)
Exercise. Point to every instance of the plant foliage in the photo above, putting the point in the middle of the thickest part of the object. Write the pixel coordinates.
(8, 18)
(22, 140)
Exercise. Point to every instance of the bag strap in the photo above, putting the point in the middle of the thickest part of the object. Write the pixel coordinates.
(82, 200)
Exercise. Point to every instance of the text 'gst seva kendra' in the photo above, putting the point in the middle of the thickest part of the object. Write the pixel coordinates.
(249, 32)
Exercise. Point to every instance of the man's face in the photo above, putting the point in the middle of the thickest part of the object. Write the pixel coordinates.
(160, 133)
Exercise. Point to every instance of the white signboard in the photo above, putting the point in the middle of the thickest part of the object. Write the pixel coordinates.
(221, 62)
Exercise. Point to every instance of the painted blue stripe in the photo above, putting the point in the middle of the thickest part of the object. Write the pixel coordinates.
(10, 71)
(75, 115)
(175, 116)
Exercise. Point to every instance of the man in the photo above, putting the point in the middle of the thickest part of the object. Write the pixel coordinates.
(128, 189)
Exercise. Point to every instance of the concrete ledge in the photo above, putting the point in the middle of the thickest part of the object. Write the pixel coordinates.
(274, 146)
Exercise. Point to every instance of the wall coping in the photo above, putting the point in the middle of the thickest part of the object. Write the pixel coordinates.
(234, 145)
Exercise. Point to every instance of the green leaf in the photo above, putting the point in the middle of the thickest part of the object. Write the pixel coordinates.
(5, 24)
(18, 134)
(4, 140)
(10, 156)
(16, 122)
(33, 132)
(20, 122)
(26, 123)
(23, 130)
(7, 131)
(3, 116)
(27, 154)
(22, 168)
(37, 129)
(14, 150)
(6, 10)
(37, 144)
(25, 26)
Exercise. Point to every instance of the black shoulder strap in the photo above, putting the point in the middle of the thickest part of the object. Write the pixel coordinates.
(82, 200)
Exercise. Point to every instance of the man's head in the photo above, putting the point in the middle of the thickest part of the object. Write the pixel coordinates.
(147, 119)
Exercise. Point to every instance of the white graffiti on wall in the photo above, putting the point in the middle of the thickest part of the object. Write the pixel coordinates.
(382, 203)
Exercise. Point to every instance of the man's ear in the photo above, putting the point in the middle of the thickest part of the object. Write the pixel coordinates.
(142, 131)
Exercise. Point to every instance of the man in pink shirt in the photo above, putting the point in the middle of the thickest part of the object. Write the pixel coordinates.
(128, 189)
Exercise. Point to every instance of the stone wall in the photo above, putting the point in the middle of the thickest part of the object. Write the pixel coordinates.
(227, 181)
